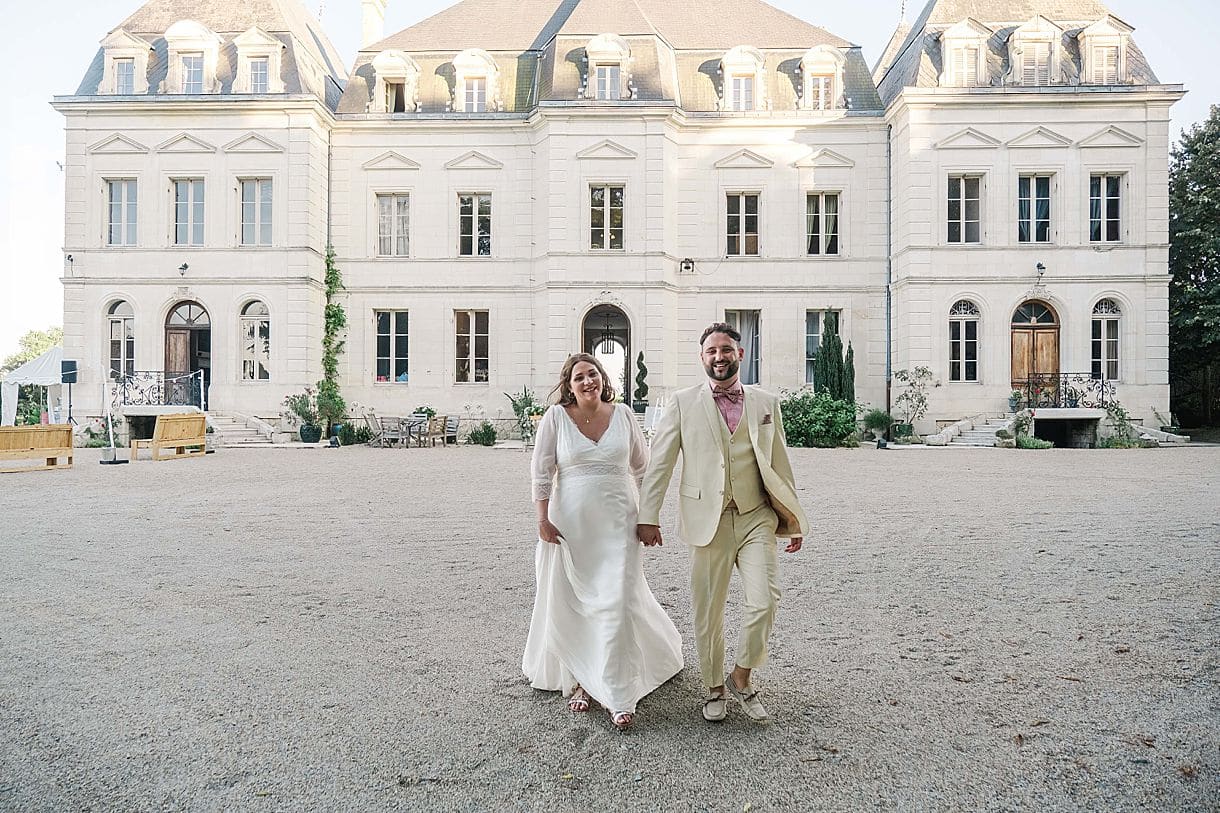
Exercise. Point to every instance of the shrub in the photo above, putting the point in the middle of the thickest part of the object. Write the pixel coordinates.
(1031, 442)
(1118, 442)
(817, 419)
(304, 405)
(352, 435)
(877, 420)
(641, 386)
(483, 435)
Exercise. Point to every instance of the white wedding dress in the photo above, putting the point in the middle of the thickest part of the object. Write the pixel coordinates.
(595, 623)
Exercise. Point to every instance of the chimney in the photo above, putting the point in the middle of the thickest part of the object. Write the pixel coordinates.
(372, 22)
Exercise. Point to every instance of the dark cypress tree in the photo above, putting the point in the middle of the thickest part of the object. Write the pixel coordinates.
(849, 375)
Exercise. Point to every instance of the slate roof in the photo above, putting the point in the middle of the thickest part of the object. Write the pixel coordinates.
(310, 63)
(917, 62)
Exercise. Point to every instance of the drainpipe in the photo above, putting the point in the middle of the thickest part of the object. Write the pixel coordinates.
(889, 262)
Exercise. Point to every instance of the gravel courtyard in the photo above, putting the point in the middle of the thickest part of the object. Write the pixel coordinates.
(319, 629)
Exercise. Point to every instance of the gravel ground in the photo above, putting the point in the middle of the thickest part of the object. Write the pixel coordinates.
(319, 629)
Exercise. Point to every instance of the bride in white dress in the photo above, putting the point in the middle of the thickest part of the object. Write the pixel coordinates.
(597, 630)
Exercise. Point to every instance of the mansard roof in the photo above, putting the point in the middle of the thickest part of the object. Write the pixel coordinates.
(917, 62)
(310, 64)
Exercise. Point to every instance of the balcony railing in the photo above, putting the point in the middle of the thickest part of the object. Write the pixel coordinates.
(1065, 390)
(157, 388)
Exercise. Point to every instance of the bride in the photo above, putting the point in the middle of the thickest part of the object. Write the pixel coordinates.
(597, 631)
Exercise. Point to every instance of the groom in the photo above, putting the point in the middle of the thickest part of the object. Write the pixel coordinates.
(736, 495)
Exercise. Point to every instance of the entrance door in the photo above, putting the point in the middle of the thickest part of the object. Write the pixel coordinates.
(177, 352)
(1035, 347)
(607, 336)
(188, 349)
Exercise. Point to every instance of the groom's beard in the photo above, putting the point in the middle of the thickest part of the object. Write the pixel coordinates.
(725, 373)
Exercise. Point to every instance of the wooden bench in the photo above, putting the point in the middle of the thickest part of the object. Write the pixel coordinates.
(46, 443)
(179, 432)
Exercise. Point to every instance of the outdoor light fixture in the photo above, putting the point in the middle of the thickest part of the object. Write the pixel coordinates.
(687, 266)
(1041, 270)
(182, 269)
(607, 337)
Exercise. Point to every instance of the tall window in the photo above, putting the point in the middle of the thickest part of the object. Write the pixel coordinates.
(1036, 63)
(471, 348)
(474, 225)
(821, 86)
(964, 341)
(608, 86)
(1106, 316)
(121, 229)
(1104, 65)
(748, 324)
(188, 212)
(255, 342)
(475, 94)
(256, 212)
(606, 217)
(395, 96)
(743, 92)
(1105, 195)
(817, 324)
(742, 231)
(393, 225)
(1034, 209)
(392, 346)
(822, 223)
(122, 340)
(192, 73)
(124, 77)
(259, 74)
(965, 64)
(964, 211)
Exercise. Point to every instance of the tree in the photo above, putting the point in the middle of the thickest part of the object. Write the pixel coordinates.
(832, 374)
(1194, 262)
(33, 344)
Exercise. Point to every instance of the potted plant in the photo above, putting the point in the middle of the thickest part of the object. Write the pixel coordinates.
(526, 407)
(1071, 397)
(877, 421)
(1014, 400)
(640, 402)
(913, 402)
(304, 407)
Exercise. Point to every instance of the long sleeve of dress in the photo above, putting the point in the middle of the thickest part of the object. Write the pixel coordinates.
(638, 461)
(543, 464)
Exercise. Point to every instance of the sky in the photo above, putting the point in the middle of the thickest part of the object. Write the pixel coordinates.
(55, 49)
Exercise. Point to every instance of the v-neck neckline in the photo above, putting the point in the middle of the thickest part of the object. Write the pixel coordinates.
(586, 437)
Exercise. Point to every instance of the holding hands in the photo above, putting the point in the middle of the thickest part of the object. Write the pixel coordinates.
(649, 535)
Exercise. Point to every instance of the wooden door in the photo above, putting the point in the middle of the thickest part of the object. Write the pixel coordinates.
(1022, 356)
(177, 351)
(1035, 353)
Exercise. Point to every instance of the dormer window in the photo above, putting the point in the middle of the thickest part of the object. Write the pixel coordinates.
(476, 82)
(743, 73)
(125, 64)
(258, 63)
(193, 54)
(397, 85)
(609, 79)
(125, 76)
(822, 72)
(1103, 51)
(964, 51)
(1033, 53)
(609, 59)
(192, 73)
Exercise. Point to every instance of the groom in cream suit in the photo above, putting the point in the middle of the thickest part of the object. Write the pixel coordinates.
(736, 496)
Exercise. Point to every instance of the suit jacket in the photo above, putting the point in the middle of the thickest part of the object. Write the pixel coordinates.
(690, 425)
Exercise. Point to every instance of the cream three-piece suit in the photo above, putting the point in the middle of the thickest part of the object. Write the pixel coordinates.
(736, 495)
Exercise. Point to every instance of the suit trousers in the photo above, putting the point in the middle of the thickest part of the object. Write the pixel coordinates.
(747, 541)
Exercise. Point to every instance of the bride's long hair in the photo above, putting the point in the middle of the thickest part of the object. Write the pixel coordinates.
(563, 395)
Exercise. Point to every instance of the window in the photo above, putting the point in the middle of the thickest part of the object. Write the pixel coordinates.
(395, 96)
(965, 62)
(122, 340)
(747, 323)
(1105, 65)
(192, 73)
(122, 208)
(255, 342)
(392, 346)
(475, 95)
(964, 341)
(393, 222)
(1036, 63)
(124, 77)
(821, 88)
(1105, 194)
(1106, 315)
(188, 212)
(1034, 209)
(470, 352)
(964, 220)
(817, 324)
(474, 225)
(606, 217)
(822, 223)
(256, 212)
(742, 224)
(743, 93)
(608, 86)
(259, 74)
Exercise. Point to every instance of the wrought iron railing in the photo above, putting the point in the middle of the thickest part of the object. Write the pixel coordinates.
(156, 388)
(1053, 390)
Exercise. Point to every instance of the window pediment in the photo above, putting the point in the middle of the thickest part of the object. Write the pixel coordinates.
(117, 144)
(185, 142)
(744, 159)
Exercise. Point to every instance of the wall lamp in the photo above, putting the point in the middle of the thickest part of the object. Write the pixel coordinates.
(1041, 269)
(687, 266)
(182, 269)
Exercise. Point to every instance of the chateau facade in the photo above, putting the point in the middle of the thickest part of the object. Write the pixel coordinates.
(505, 183)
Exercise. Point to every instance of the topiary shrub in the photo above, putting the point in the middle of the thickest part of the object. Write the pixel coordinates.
(817, 419)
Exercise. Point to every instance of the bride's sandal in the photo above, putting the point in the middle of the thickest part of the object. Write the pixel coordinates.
(579, 701)
(622, 719)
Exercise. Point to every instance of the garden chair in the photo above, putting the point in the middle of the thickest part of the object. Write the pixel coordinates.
(451, 430)
(391, 430)
(415, 428)
(436, 430)
(376, 439)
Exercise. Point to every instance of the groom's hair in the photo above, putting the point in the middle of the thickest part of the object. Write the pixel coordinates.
(720, 327)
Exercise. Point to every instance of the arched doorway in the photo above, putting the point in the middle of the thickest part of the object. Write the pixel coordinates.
(606, 333)
(188, 342)
(1035, 346)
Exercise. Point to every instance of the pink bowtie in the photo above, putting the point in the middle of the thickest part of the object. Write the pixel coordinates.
(732, 396)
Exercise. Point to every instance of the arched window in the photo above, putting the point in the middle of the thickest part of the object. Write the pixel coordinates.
(1033, 313)
(255, 342)
(122, 337)
(964, 341)
(1106, 315)
(189, 314)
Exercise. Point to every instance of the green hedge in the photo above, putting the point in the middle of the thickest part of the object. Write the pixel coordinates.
(817, 419)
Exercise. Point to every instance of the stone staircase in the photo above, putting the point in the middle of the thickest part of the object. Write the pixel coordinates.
(232, 432)
(982, 435)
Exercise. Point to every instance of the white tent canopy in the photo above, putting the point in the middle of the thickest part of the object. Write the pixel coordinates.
(43, 371)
